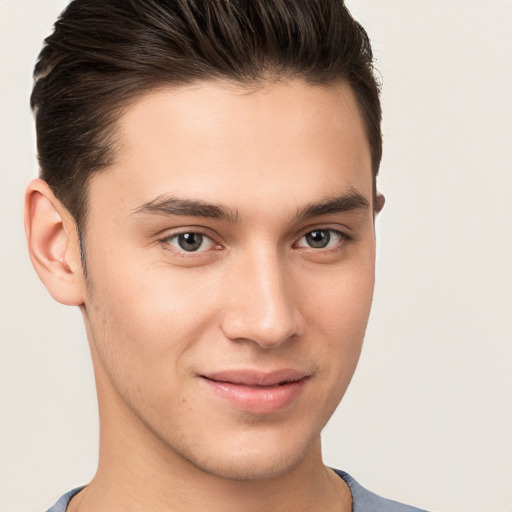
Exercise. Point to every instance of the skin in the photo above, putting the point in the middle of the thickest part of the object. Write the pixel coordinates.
(255, 295)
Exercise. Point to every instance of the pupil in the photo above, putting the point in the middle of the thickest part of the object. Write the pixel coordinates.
(318, 239)
(190, 241)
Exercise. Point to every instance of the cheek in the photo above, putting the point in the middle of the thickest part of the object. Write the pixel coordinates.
(339, 299)
(145, 334)
(337, 316)
(146, 318)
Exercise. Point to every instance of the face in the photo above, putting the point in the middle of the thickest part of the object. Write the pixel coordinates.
(230, 255)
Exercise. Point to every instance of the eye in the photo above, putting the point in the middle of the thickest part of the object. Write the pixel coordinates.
(322, 239)
(190, 241)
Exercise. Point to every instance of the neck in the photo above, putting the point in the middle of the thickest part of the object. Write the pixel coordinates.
(128, 489)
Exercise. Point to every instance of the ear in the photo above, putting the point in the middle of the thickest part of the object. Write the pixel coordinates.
(53, 244)
(380, 200)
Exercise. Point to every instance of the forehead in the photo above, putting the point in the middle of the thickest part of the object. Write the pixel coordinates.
(278, 145)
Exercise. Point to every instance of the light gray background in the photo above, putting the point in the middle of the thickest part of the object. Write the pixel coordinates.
(428, 416)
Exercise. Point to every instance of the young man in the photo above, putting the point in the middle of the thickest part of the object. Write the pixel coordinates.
(207, 198)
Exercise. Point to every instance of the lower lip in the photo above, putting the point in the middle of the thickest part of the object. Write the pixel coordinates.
(257, 400)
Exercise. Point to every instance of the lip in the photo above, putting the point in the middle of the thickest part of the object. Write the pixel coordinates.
(255, 391)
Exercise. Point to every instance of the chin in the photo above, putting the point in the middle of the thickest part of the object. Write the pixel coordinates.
(251, 461)
(251, 468)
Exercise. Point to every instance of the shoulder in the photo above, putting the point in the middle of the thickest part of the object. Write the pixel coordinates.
(366, 501)
(63, 502)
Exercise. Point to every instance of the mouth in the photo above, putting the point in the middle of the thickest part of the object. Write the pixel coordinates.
(257, 392)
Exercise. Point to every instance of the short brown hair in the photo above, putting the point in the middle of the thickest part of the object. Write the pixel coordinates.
(104, 53)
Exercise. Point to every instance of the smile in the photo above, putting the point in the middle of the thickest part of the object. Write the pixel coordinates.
(256, 392)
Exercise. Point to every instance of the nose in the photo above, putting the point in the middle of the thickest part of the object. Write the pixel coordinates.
(261, 305)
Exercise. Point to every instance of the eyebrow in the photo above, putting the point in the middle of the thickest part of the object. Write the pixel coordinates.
(352, 200)
(168, 205)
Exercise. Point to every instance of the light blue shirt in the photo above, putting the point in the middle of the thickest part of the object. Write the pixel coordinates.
(362, 500)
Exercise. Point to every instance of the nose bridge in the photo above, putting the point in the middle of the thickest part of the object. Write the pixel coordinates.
(262, 306)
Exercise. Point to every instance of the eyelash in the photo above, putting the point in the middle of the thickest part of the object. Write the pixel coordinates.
(342, 239)
(168, 243)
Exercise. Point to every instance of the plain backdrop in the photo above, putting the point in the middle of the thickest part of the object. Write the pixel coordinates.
(428, 416)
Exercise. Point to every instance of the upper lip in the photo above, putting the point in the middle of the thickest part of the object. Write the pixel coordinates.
(250, 377)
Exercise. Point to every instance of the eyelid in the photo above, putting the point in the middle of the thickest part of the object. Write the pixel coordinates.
(174, 234)
(165, 237)
(342, 236)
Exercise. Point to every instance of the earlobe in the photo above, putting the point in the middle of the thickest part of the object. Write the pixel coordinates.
(53, 244)
(380, 200)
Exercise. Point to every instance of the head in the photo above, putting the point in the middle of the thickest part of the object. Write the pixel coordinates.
(214, 162)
